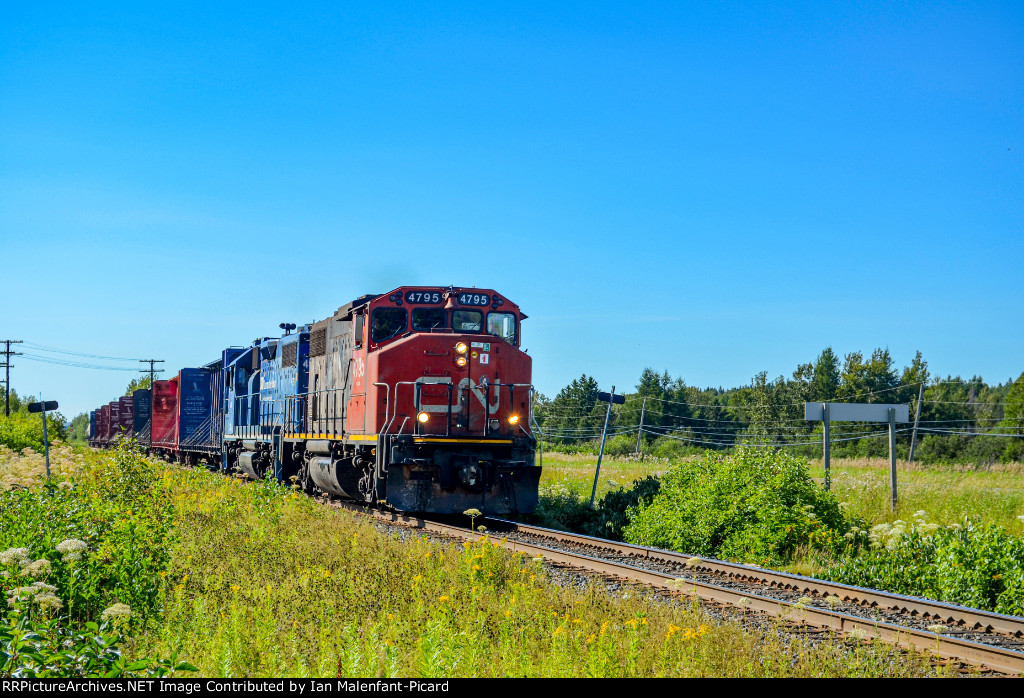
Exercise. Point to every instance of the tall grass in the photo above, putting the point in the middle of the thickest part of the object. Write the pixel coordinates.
(264, 582)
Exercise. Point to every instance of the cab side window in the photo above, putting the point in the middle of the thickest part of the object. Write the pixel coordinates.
(502, 325)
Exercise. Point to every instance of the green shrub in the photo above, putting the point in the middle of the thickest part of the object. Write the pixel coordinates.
(753, 505)
(972, 564)
(102, 540)
(23, 430)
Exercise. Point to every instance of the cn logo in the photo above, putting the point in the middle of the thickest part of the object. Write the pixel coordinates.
(466, 385)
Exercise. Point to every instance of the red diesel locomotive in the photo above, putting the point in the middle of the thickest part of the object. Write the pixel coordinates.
(419, 398)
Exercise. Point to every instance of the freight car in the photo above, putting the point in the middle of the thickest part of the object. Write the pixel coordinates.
(418, 399)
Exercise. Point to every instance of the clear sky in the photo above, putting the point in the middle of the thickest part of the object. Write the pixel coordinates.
(712, 189)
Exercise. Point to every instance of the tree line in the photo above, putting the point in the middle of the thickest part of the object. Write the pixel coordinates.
(961, 420)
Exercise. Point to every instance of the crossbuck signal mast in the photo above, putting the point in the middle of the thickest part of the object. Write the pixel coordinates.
(7, 368)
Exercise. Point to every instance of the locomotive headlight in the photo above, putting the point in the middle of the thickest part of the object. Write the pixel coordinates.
(422, 417)
(513, 419)
(461, 348)
(460, 361)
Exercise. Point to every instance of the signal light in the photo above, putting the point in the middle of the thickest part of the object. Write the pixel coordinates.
(461, 348)
(460, 361)
(513, 419)
(422, 417)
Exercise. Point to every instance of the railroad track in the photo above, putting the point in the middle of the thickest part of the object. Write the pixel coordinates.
(990, 641)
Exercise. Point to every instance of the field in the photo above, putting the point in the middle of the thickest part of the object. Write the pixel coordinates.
(947, 493)
(184, 568)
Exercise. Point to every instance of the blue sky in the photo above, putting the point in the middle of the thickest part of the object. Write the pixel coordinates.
(712, 189)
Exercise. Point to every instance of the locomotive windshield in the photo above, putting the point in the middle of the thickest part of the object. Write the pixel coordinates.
(427, 319)
(467, 320)
(387, 322)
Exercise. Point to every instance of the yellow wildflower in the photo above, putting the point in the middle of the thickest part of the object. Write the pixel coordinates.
(442, 599)
(235, 587)
(604, 627)
(391, 616)
(508, 612)
(591, 637)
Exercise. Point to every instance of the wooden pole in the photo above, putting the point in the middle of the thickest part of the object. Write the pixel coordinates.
(917, 419)
(640, 429)
(827, 447)
(892, 456)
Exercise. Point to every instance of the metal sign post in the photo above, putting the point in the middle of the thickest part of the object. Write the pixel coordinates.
(610, 398)
(42, 407)
(826, 412)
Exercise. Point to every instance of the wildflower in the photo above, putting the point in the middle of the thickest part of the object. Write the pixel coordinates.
(65, 485)
(235, 587)
(39, 568)
(48, 601)
(632, 622)
(591, 637)
(72, 549)
(427, 555)
(472, 512)
(672, 630)
(117, 612)
(604, 627)
(693, 562)
(391, 616)
(539, 558)
(14, 556)
(442, 599)
(508, 612)
(938, 629)
(804, 602)
(481, 528)
(833, 601)
(857, 633)
(744, 602)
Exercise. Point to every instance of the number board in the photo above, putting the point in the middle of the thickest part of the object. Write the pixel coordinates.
(423, 297)
(474, 299)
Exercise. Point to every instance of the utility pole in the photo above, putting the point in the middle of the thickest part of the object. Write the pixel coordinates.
(917, 419)
(7, 367)
(640, 429)
(152, 393)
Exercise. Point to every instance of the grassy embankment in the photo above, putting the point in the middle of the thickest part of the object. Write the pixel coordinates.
(254, 580)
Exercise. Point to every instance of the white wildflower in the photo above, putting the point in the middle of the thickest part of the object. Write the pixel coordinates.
(693, 562)
(39, 568)
(117, 612)
(72, 549)
(833, 601)
(14, 556)
(48, 601)
(938, 629)
(744, 602)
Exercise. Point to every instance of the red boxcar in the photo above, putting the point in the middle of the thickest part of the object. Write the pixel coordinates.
(103, 428)
(165, 414)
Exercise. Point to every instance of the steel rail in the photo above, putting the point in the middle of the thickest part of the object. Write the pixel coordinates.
(985, 656)
(970, 618)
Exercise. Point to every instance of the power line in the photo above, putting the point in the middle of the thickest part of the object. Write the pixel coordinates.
(75, 364)
(55, 350)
